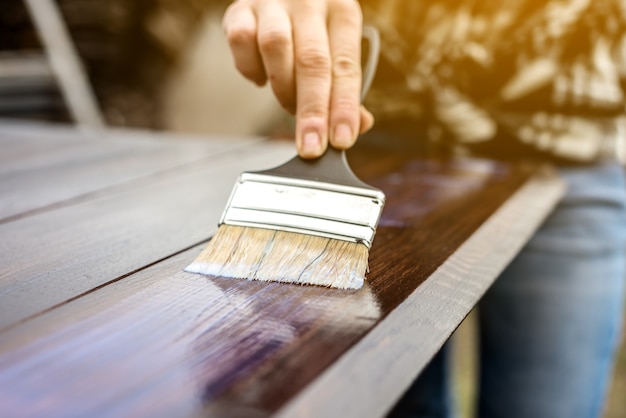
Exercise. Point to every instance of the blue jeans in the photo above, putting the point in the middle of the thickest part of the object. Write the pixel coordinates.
(550, 325)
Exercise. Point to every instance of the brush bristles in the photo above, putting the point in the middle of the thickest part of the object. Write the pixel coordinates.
(269, 255)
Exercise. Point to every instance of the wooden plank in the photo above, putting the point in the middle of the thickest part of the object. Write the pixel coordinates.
(40, 169)
(34, 145)
(36, 142)
(60, 254)
(162, 342)
(380, 367)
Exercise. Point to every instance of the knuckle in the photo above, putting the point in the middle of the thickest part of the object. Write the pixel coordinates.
(345, 66)
(313, 61)
(274, 41)
(240, 34)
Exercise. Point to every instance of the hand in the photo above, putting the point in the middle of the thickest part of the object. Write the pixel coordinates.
(309, 50)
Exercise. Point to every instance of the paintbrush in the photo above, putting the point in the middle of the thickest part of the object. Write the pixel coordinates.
(304, 222)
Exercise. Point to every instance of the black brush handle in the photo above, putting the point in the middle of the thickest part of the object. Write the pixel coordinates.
(332, 167)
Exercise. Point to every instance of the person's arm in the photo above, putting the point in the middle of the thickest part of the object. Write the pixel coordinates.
(309, 51)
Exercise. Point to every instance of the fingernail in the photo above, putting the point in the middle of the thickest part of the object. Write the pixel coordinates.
(343, 135)
(311, 143)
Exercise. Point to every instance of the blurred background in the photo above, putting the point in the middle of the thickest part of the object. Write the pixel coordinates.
(154, 64)
(165, 65)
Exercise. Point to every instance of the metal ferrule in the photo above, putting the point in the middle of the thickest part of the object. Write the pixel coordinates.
(305, 206)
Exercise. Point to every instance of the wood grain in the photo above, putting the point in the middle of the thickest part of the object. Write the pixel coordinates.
(65, 167)
(162, 342)
(60, 254)
(168, 337)
(380, 366)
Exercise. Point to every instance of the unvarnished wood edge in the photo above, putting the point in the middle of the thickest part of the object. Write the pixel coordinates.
(368, 379)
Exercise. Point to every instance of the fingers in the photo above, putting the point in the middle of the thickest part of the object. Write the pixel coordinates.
(275, 43)
(366, 120)
(309, 50)
(313, 79)
(344, 28)
(240, 25)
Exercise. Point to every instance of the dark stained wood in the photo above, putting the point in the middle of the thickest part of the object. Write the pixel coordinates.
(166, 331)
(161, 342)
(430, 205)
(381, 365)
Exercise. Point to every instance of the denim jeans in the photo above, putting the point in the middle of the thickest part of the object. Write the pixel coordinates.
(550, 325)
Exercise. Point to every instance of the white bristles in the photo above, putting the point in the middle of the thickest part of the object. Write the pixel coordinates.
(269, 255)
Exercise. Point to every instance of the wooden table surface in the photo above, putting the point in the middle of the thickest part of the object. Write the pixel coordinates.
(97, 317)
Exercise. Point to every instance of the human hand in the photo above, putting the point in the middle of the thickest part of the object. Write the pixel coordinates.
(310, 52)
